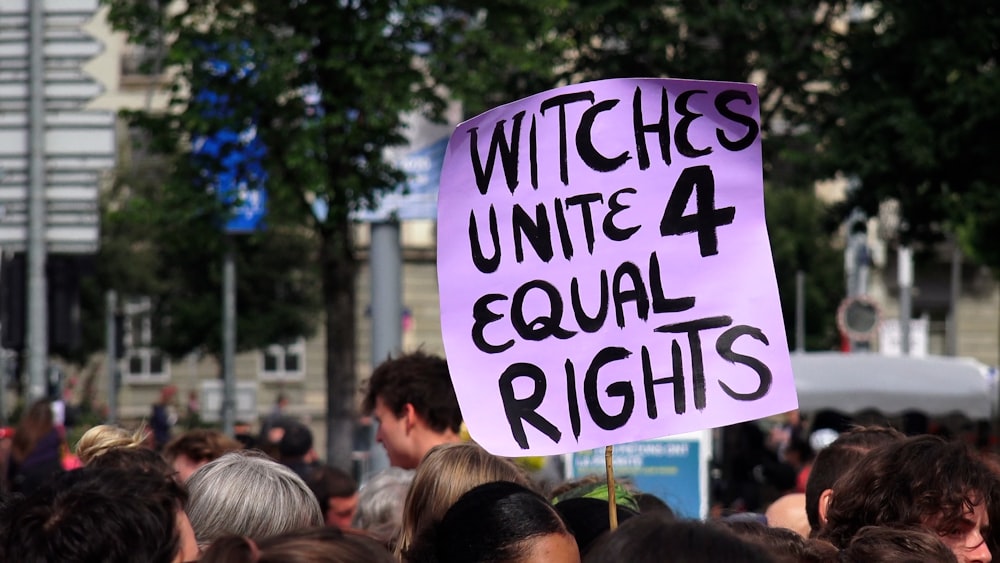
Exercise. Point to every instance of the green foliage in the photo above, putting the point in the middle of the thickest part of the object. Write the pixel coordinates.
(517, 48)
(799, 242)
(487, 57)
(328, 88)
(916, 116)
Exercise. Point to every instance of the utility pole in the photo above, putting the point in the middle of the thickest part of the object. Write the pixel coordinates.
(800, 311)
(905, 278)
(386, 260)
(37, 321)
(111, 352)
(229, 340)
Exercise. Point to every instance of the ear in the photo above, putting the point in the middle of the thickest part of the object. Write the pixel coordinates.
(409, 416)
(824, 504)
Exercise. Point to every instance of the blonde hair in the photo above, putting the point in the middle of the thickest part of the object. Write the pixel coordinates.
(447, 472)
(100, 439)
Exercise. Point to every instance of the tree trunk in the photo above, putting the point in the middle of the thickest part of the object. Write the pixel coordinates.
(338, 272)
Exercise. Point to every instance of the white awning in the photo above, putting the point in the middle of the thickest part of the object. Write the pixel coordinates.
(934, 385)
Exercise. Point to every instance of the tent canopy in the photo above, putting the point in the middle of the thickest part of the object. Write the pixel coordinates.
(934, 385)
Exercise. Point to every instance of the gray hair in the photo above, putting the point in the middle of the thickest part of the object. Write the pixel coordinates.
(380, 503)
(248, 494)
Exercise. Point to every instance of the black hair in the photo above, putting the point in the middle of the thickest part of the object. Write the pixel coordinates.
(588, 518)
(296, 442)
(491, 522)
(95, 514)
(647, 538)
(648, 502)
(327, 481)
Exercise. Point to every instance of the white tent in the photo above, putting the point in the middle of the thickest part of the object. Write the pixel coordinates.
(934, 385)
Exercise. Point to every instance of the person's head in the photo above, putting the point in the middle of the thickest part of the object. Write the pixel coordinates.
(596, 486)
(35, 423)
(381, 502)
(295, 442)
(413, 401)
(103, 438)
(337, 494)
(99, 514)
(168, 394)
(646, 538)
(836, 459)
(310, 545)
(587, 518)
(883, 544)
(782, 544)
(896, 545)
(448, 471)
(194, 448)
(499, 521)
(136, 460)
(248, 494)
(921, 481)
(789, 512)
(648, 502)
(798, 453)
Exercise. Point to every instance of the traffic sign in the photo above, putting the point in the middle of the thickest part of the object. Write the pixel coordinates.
(79, 143)
(858, 317)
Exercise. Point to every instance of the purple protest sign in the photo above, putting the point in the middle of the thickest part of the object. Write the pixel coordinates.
(604, 268)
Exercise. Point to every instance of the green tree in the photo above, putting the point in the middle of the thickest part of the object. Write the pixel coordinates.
(487, 57)
(329, 87)
(915, 117)
(157, 245)
(800, 242)
(783, 46)
(514, 49)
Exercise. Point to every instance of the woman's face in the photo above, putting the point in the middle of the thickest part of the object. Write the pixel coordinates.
(552, 548)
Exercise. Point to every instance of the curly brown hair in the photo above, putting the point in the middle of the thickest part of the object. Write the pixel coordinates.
(908, 483)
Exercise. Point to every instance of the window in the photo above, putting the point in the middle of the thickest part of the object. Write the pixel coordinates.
(140, 61)
(283, 362)
(143, 363)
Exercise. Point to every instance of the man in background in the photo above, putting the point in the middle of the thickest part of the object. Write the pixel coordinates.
(163, 417)
(337, 493)
(412, 400)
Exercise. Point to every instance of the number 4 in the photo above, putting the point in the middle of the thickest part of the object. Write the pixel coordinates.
(706, 218)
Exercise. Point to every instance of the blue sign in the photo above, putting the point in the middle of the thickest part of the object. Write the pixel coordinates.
(417, 198)
(675, 469)
(240, 177)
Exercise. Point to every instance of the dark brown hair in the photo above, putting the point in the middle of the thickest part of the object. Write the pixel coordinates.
(906, 483)
(784, 545)
(95, 514)
(36, 423)
(419, 379)
(326, 482)
(310, 545)
(834, 460)
(897, 545)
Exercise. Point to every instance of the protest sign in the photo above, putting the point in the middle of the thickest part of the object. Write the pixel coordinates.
(604, 268)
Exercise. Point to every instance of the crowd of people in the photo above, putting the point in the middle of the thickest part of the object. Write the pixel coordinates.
(869, 494)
